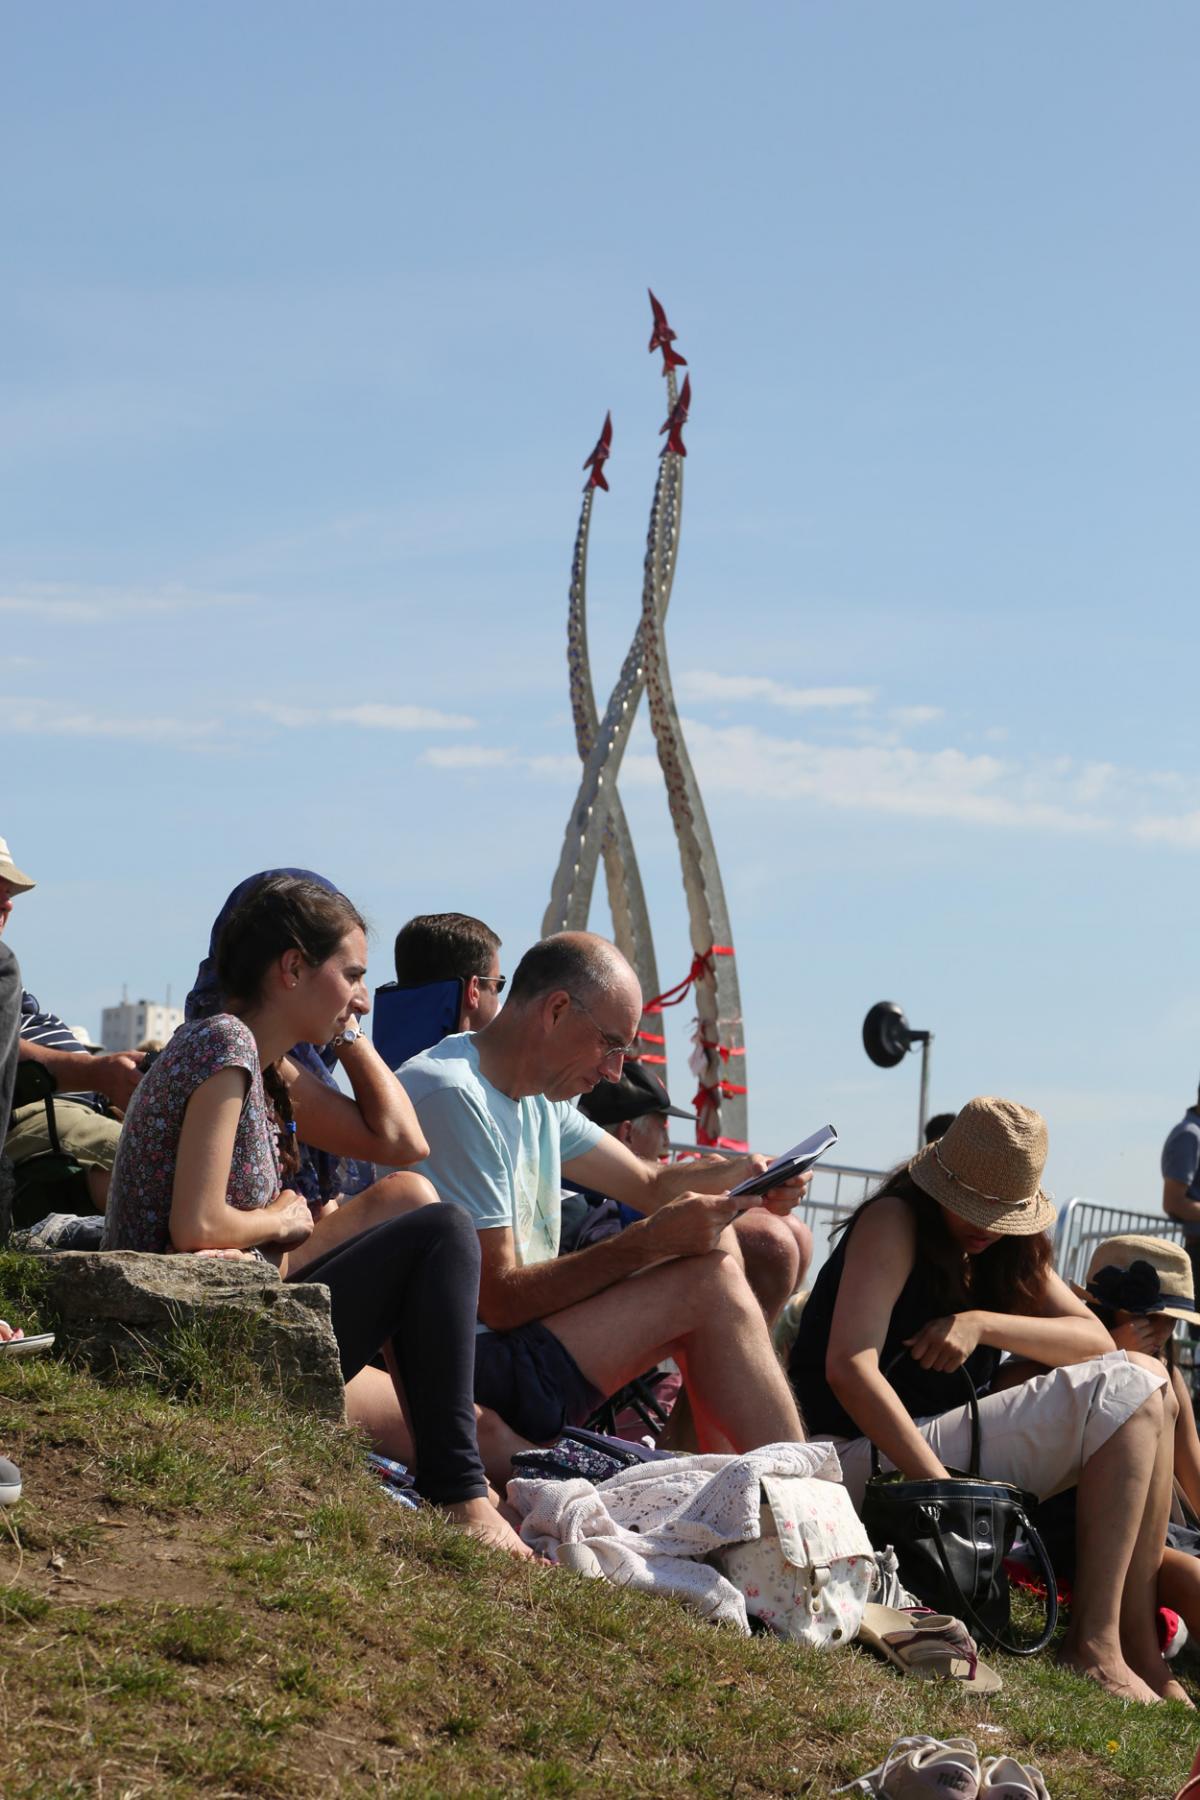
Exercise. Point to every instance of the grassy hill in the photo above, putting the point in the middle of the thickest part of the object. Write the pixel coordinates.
(203, 1594)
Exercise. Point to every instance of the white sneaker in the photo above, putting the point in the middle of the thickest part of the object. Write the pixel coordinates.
(924, 1768)
(1004, 1778)
(10, 1482)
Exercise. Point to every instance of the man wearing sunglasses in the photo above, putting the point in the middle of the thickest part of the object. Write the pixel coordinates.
(453, 947)
(560, 1333)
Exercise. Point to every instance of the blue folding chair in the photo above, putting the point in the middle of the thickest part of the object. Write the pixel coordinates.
(407, 1020)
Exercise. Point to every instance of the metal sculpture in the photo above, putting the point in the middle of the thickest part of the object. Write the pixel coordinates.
(597, 823)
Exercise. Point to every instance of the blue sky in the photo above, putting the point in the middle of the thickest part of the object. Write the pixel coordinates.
(310, 317)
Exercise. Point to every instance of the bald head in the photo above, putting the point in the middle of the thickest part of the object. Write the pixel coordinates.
(574, 962)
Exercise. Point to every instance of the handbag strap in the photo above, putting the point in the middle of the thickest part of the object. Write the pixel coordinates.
(972, 1402)
(968, 1612)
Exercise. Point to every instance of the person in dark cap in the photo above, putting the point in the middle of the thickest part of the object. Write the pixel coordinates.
(776, 1252)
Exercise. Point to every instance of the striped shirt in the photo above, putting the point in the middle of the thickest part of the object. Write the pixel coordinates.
(48, 1030)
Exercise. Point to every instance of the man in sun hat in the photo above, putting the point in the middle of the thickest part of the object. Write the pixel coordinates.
(1181, 1183)
(85, 1133)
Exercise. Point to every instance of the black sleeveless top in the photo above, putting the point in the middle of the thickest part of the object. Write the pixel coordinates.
(924, 1392)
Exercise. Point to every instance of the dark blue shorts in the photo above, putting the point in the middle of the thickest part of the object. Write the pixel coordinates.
(532, 1381)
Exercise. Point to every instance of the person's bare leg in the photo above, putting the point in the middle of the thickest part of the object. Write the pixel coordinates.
(1179, 1588)
(770, 1257)
(803, 1236)
(383, 1200)
(700, 1310)
(372, 1405)
(97, 1186)
(1139, 1600)
(1112, 1493)
(498, 1444)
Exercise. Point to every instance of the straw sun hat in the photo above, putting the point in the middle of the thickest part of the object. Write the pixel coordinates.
(988, 1168)
(1141, 1275)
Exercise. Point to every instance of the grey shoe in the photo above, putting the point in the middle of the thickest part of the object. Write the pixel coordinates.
(10, 1482)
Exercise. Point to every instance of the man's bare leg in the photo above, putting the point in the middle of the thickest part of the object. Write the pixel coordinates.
(372, 1405)
(700, 1310)
(771, 1258)
(383, 1200)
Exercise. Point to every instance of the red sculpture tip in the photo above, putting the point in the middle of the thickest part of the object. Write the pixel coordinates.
(677, 421)
(663, 337)
(599, 457)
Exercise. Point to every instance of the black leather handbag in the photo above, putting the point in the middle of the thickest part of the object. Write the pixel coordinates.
(951, 1538)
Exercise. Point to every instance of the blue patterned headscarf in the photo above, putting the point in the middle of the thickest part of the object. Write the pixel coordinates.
(320, 1175)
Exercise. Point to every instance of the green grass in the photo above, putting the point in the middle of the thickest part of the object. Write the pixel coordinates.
(237, 1610)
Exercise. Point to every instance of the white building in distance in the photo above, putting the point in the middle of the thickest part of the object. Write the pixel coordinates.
(126, 1026)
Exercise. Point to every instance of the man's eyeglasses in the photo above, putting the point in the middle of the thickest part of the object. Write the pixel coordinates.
(614, 1045)
(497, 983)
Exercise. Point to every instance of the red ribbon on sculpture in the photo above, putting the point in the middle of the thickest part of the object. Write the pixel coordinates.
(701, 965)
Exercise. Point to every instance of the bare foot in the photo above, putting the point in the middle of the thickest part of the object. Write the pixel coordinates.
(1155, 1671)
(479, 1519)
(1110, 1673)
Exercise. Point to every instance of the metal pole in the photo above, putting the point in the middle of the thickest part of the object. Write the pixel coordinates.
(923, 1103)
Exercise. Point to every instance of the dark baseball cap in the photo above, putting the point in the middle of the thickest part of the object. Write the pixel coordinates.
(637, 1093)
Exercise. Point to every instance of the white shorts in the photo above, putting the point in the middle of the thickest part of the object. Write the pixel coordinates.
(1037, 1435)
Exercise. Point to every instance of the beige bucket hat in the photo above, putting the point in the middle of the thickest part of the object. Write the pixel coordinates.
(1141, 1275)
(988, 1168)
(16, 878)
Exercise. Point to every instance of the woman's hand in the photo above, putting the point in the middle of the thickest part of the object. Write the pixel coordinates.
(7, 1334)
(945, 1344)
(1139, 1333)
(293, 1220)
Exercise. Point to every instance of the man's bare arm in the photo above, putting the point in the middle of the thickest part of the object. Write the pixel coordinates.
(114, 1074)
(1176, 1204)
(510, 1295)
(612, 1168)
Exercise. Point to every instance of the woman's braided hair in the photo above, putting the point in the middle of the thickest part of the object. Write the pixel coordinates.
(281, 913)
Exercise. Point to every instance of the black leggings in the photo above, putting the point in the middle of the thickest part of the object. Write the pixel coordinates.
(413, 1283)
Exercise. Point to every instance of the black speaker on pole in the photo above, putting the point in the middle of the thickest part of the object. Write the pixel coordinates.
(887, 1039)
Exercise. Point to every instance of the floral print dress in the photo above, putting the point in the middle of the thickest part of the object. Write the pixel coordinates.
(138, 1216)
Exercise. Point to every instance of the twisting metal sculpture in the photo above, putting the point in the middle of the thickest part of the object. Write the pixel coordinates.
(598, 825)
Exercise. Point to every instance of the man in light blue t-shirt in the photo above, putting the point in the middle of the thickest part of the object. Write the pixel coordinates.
(559, 1333)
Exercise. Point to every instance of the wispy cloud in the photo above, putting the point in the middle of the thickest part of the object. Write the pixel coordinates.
(370, 716)
(1180, 833)
(915, 715)
(53, 718)
(701, 686)
(64, 605)
(1057, 794)
(467, 756)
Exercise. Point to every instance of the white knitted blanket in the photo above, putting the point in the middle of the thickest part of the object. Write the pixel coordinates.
(652, 1526)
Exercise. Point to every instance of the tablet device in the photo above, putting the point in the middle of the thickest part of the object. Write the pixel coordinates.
(795, 1161)
(27, 1346)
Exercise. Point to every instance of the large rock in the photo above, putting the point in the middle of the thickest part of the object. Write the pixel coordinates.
(119, 1308)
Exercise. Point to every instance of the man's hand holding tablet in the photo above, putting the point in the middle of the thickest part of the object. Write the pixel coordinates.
(782, 1184)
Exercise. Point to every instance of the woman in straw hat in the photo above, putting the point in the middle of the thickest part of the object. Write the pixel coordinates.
(950, 1261)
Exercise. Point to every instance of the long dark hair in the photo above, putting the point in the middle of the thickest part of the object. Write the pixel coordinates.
(280, 913)
(1008, 1277)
